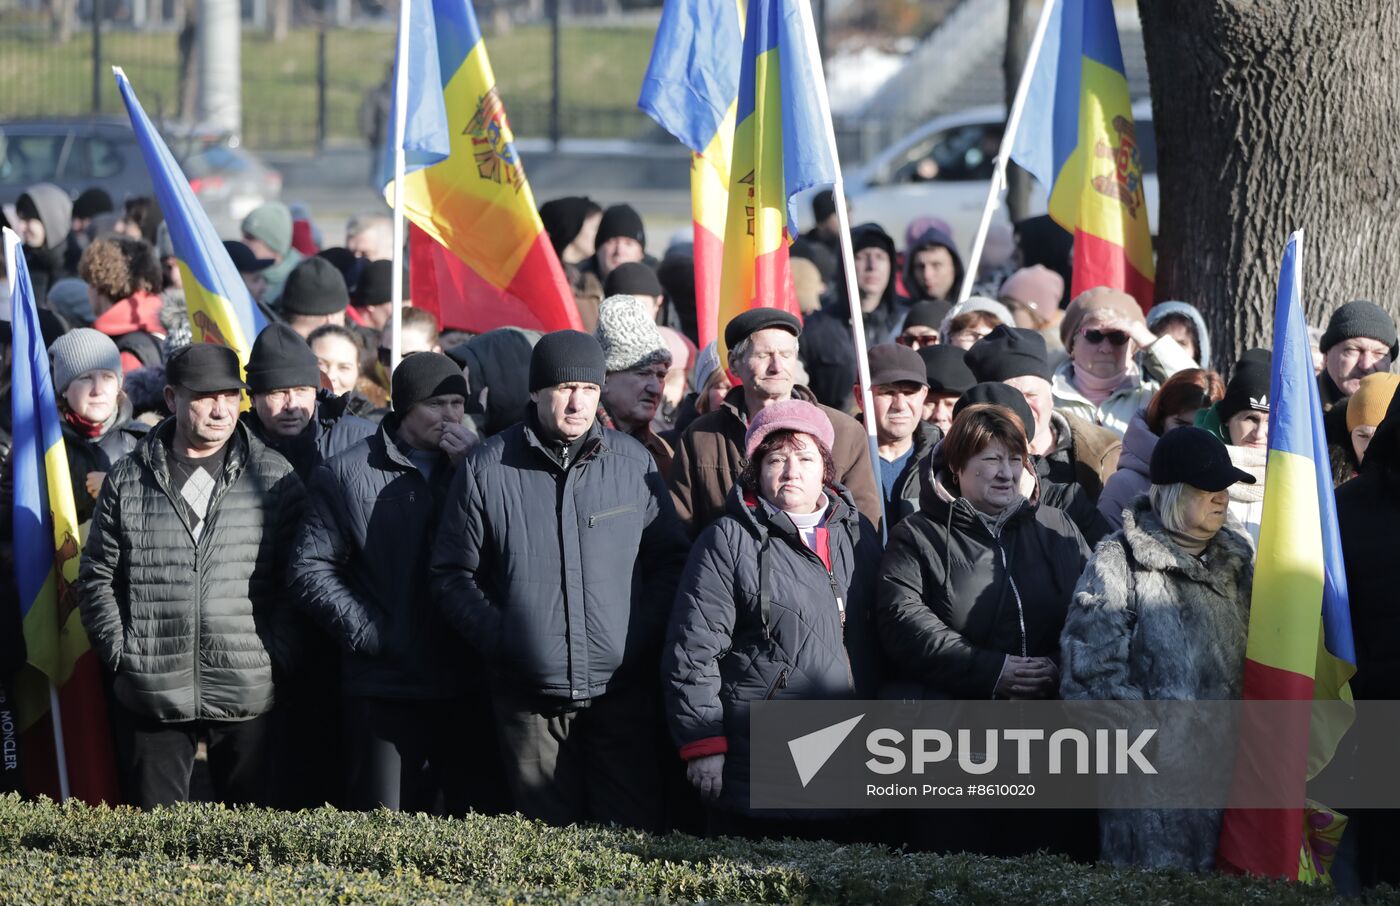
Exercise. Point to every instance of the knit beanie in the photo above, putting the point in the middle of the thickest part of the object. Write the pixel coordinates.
(976, 303)
(563, 218)
(629, 336)
(565, 356)
(632, 279)
(280, 359)
(789, 415)
(1009, 352)
(928, 314)
(270, 222)
(79, 351)
(1360, 319)
(999, 394)
(1037, 286)
(69, 298)
(1371, 400)
(1100, 298)
(706, 364)
(947, 369)
(620, 220)
(422, 376)
(1248, 387)
(314, 287)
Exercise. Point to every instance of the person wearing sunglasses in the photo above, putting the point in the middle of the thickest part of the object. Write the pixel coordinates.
(1102, 331)
(922, 324)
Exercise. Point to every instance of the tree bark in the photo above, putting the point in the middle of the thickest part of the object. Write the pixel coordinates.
(1273, 116)
(1018, 39)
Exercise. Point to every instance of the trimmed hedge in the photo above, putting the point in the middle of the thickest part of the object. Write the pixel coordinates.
(204, 853)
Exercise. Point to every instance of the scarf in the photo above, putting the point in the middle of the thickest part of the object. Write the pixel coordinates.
(1253, 461)
(1097, 389)
(1190, 543)
(87, 427)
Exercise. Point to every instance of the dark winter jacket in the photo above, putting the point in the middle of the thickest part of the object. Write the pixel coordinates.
(909, 486)
(360, 570)
(1151, 622)
(500, 360)
(332, 430)
(192, 630)
(954, 599)
(759, 616)
(710, 457)
(1368, 511)
(98, 454)
(928, 239)
(559, 568)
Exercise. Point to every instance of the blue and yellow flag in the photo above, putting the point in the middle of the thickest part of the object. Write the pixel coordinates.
(465, 183)
(221, 308)
(1300, 643)
(1077, 137)
(46, 539)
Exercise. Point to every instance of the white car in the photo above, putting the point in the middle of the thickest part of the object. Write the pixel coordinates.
(944, 168)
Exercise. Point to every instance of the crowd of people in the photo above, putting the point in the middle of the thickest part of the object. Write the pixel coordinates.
(551, 573)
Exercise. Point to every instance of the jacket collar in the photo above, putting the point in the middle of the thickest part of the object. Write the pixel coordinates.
(734, 401)
(761, 519)
(594, 442)
(154, 449)
(1062, 386)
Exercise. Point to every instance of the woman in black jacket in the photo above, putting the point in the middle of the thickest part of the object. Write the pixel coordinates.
(774, 604)
(972, 596)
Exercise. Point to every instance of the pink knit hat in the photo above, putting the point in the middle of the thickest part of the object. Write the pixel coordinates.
(1037, 286)
(789, 415)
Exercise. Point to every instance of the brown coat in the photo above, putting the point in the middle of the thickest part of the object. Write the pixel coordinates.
(1095, 451)
(710, 457)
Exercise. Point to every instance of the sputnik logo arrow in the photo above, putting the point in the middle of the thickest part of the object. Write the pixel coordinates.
(811, 752)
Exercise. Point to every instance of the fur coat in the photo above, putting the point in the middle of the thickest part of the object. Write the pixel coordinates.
(1151, 622)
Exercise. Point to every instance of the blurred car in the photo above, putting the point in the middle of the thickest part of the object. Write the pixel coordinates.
(944, 168)
(78, 154)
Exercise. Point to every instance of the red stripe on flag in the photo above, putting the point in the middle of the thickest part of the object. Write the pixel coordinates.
(1098, 262)
(87, 741)
(538, 298)
(709, 265)
(773, 287)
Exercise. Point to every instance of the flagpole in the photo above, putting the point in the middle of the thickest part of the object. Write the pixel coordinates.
(400, 166)
(60, 753)
(838, 192)
(1008, 138)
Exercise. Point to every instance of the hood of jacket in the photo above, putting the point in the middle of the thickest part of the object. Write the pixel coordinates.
(1138, 444)
(759, 519)
(55, 210)
(1188, 311)
(888, 316)
(139, 311)
(931, 238)
(499, 359)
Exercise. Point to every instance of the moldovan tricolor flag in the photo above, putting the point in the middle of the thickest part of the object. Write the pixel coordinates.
(465, 188)
(781, 148)
(221, 309)
(1078, 139)
(691, 90)
(1300, 644)
(47, 546)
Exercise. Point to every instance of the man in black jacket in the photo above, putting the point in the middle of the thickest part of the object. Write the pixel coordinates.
(417, 723)
(307, 427)
(899, 385)
(557, 559)
(183, 588)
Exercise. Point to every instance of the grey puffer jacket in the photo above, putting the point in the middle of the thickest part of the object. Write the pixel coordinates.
(192, 630)
(361, 570)
(559, 566)
(725, 649)
(1151, 622)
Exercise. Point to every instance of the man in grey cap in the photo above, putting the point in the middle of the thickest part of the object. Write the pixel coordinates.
(637, 359)
(183, 588)
(763, 351)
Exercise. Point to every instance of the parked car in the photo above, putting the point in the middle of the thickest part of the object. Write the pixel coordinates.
(944, 168)
(80, 153)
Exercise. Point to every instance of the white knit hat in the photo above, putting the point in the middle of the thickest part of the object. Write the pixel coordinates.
(627, 332)
(80, 351)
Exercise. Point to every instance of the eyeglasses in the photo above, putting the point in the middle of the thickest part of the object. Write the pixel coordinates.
(1116, 337)
(918, 341)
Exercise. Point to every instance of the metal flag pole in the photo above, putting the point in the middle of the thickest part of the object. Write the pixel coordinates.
(1008, 138)
(838, 192)
(400, 166)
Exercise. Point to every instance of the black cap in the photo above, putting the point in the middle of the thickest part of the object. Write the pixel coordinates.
(279, 359)
(891, 363)
(1009, 352)
(204, 368)
(947, 369)
(996, 393)
(422, 376)
(621, 220)
(633, 279)
(565, 356)
(1248, 387)
(244, 261)
(348, 263)
(748, 323)
(376, 284)
(1360, 319)
(314, 287)
(928, 314)
(1196, 457)
(92, 202)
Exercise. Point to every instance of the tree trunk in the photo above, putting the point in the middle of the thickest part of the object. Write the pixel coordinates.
(1273, 116)
(187, 87)
(1018, 39)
